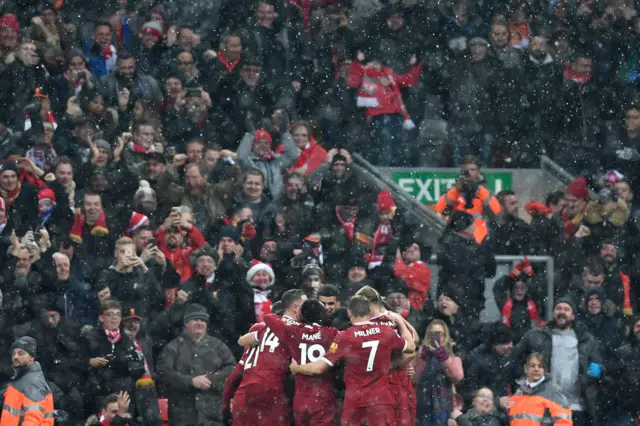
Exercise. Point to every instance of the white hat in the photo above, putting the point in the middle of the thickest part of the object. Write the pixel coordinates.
(260, 267)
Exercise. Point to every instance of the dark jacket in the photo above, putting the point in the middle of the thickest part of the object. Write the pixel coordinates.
(623, 384)
(540, 340)
(24, 209)
(137, 289)
(473, 418)
(124, 367)
(143, 86)
(18, 85)
(179, 363)
(511, 236)
(484, 368)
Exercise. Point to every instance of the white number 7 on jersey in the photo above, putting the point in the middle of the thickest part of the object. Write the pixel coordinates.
(373, 345)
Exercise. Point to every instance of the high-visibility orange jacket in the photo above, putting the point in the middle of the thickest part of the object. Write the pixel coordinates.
(481, 202)
(530, 406)
(28, 400)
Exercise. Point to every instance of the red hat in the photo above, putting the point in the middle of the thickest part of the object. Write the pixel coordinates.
(578, 188)
(46, 194)
(10, 21)
(385, 202)
(152, 27)
(137, 220)
(262, 135)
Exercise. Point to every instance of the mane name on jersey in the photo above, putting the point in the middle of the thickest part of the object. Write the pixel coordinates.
(387, 323)
(316, 336)
(367, 332)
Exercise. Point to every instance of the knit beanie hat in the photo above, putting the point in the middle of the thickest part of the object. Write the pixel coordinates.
(46, 194)
(195, 311)
(10, 21)
(257, 268)
(101, 143)
(144, 192)
(566, 300)
(205, 250)
(152, 27)
(578, 188)
(27, 344)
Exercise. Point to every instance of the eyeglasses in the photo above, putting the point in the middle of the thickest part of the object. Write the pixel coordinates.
(254, 70)
(113, 314)
(184, 63)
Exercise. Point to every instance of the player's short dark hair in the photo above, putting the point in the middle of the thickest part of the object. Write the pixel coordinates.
(371, 294)
(359, 306)
(312, 311)
(328, 290)
(277, 308)
(290, 297)
(340, 319)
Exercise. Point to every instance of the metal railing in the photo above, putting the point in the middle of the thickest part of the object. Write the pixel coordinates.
(509, 262)
(554, 169)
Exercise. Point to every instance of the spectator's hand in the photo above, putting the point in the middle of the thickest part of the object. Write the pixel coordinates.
(184, 224)
(124, 400)
(123, 99)
(582, 232)
(179, 160)
(73, 109)
(210, 53)
(360, 56)
(451, 422)
(98, 362)
(201, 382)
(238, 250)
(123, 139)
(180, 101)
(28, 237)
(626, 153)
(413, 60)
(206, 98)
(182, 297)
(94, 152)
(104, 294)
(504, 400)
(45, 241)
(159, 256)
(172, 35)
(609, 308)
(27, 165)
(584, 9)
(346, 155)
(225, 153)
(297, 252)
(15, 244)
(332, 152)
(147, 253)
(296, 85)
(37, 21)
(280, 223)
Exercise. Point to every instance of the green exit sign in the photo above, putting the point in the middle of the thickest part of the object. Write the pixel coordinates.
(428, 186)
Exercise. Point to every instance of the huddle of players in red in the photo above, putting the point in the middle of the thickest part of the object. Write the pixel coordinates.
(375, 351)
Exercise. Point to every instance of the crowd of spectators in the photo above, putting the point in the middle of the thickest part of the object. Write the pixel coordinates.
(168, 171)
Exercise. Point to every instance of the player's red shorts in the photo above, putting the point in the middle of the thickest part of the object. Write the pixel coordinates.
(405, 407)
(256, 406)
(312, 411)
(375, 415)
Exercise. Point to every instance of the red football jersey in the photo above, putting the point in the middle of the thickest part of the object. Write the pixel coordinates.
(267, 363)
(397, 376)
(306, 343)
(366, 348)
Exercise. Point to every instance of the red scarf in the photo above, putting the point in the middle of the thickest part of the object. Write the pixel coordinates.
(11, 196)
(229, 66)
(349, 227)
(107, 51)
(579, 78)
(31, 179)
(113, 336)
(98, 229)
(531, 307)
(381, 237)
(137, 148)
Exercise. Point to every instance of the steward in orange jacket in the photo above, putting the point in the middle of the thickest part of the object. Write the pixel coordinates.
(542, 404)
(27, 399)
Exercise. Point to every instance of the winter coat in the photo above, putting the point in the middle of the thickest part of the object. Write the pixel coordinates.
(124, 368)
(18, 86)
(545, 400)
(137, 289)
(179, 363)
(623, 384)
(589, 351)
(434, 382)
(143, 86)
(23, 212)
(19, 292)
(201, 16)
(272, 168)
(484, 368)
(511, 236)
(473, 418)
(603, 228)
(468, 264)
(60, 352)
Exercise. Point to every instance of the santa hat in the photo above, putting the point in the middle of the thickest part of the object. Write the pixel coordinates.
(10, 21)
(144, 192)
(385, 202)
(137, 220)
(578, 188)
(46, 194)
(262, 135)
(260, 267)
(152, 27)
